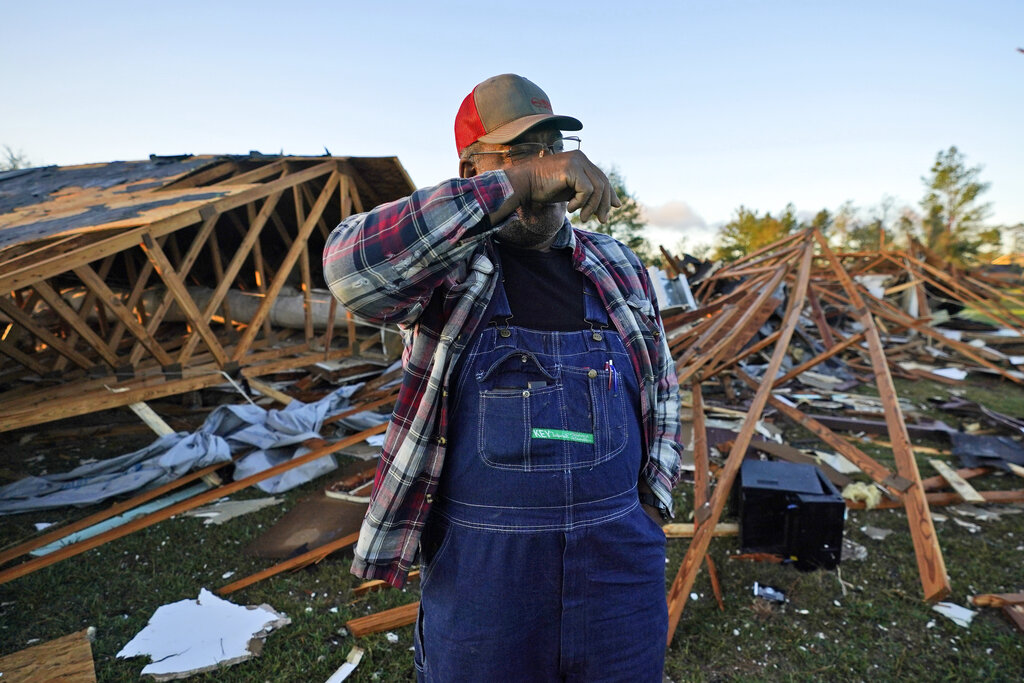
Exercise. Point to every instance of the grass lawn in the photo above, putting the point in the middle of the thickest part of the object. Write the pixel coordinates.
(864, 621)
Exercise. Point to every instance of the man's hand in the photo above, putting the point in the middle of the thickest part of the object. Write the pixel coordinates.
(567, 177)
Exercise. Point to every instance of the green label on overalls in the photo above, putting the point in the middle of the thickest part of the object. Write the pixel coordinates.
(562, 435)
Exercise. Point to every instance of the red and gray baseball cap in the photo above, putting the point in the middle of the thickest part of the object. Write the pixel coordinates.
(502, 108)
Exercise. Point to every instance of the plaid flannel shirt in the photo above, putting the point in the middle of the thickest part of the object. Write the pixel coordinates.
(426, 263)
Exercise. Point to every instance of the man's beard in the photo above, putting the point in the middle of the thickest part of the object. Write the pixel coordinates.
(532, 225)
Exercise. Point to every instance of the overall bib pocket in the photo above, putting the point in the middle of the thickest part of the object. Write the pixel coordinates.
(537, 419)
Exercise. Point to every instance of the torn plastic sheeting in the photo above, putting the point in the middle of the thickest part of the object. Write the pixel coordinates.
(364, 420)
(192, 636)
(164, 460)
(261, 460)
(226, 429)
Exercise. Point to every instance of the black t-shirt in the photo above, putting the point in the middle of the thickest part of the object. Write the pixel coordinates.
(544, 291)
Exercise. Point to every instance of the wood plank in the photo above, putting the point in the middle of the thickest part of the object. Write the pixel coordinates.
(789, 454)
(75, 321)
(150, 418)
(383, 621)
(687, 574)
(83, 313)
(749, 312)
(945, 498)
(998, 599)
(959, 484)
(44, 335)
(165, 513)
(284, 270)
(304, 265)
(12, 352)
(871, 467)
(687, 529)
(260, 275)
(930, 563)
(709, 372)
(152, 325)
(307, 558)
(939, 482)
(378, 584)
(818, 315)
(701, 462)
(113, 302)
(81, 398)
(167, 273)
(68, 658)
(270, 391)
(820, 358)
(241, 252)
(1015, 613)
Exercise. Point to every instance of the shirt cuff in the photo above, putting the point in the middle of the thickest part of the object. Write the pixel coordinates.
(490, 190)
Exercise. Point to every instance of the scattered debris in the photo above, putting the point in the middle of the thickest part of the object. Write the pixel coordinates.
(383, 621)
(852, 551)
(355, 655)
(867, 493)
(192, 636)
(961, 616)
(225, 510)
(769, 593)
(875, 533)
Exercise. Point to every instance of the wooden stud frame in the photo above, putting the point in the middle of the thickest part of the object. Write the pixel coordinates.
(107, 318)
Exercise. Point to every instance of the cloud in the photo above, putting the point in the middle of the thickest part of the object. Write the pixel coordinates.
(675, 215)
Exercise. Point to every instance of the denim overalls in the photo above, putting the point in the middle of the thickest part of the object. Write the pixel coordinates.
(538, 562)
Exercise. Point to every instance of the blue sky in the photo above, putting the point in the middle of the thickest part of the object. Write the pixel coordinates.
(702, 106)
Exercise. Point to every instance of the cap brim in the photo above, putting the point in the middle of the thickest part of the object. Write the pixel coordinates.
(513, 129)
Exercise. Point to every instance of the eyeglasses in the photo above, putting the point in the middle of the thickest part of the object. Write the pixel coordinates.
(527, 150)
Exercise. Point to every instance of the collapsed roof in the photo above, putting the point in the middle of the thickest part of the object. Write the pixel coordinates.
(131, 280)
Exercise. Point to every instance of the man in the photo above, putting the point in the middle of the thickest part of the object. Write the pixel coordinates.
(538, 412)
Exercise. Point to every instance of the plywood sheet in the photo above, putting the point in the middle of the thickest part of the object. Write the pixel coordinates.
(68, 658)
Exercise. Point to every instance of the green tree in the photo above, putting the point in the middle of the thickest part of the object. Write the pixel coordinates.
(954, 217)
(749, 231)
(625, 223)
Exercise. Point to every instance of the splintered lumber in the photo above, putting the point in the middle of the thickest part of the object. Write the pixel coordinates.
(1016, 614)
(959, 484)
(152, 420)
(930, 564)
(297, 562)
(270, 391)
(998, 599)
(940, 482)
(701, 465)
(383, 621)
(377, 584)
(946, 499)
(871, 467)
(89, 295)
(168, 512)
(686, 529)
(680, 590)
(68, 658)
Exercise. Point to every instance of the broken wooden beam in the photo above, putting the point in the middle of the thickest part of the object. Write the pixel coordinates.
(382, 621)
(307, 558)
